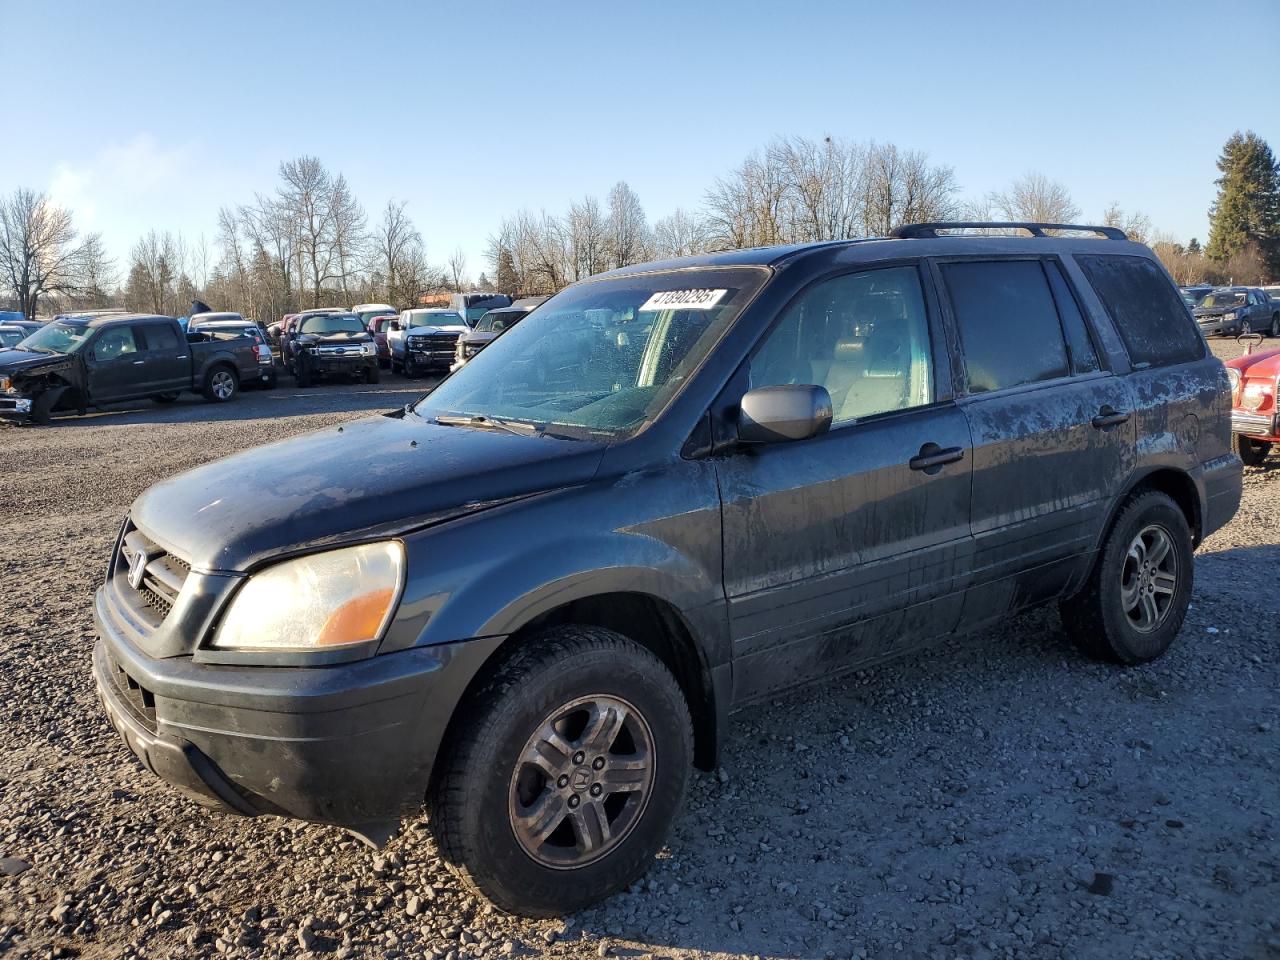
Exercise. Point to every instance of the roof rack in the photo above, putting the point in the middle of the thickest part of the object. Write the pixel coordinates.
(916, 231)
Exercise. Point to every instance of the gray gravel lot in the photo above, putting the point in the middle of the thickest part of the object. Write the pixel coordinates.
(999, 796)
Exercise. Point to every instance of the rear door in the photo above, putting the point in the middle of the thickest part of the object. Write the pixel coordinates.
(1053, 431)
(167, 359)
(115, 370)
(849, 547)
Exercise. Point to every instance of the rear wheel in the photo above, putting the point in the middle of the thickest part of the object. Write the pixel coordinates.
(1251, 451)
(1136, 598)
(564, 773)
(221, 384)
(1275, 325)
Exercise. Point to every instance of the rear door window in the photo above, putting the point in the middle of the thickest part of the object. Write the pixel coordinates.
(1145, 308)
(1009, 328)
(160, 338)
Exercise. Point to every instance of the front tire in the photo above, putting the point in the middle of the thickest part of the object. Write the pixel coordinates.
(302, 374)
(221, 384)
(1245, 328)
(1251, 451)
(1136, 598)
(372, 374)
(557, 787)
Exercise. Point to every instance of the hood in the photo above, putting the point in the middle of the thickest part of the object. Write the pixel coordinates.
(380, 476)
(430, 329)
(1206, 312)
(474, 337)
(1260, 363)
(345, 337)
(29, 361)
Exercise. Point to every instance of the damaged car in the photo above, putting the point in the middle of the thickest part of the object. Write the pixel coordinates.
(329, 345)
(530, 600)
(78, 362)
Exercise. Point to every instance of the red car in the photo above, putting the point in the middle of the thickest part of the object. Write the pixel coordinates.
(378, 327)
(1255, 418)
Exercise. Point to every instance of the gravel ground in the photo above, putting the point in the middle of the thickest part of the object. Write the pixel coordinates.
(999, 796)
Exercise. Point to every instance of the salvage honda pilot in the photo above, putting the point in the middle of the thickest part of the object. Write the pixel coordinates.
(532, 598)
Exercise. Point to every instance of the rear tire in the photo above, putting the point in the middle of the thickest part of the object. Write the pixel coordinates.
(1134, 602)
(221, 384)
(1275, 325)
(563, 772)
(1251, 451)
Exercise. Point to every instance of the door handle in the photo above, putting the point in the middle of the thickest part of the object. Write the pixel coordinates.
(931, 455)
(138, 363)
(1109, 417)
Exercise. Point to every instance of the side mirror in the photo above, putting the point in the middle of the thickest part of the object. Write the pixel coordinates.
(778, 414)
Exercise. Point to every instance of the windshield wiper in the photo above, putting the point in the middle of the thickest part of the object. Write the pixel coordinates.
(523, 428)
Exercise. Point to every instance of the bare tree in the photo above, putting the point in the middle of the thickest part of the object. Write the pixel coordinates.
(1137, 225)
(39, 252)
(457, 268)
(152, 273)
(628, 229)
(306, 197)
(593, 241)
(1035, 198)
(400, 258)
(680, 234)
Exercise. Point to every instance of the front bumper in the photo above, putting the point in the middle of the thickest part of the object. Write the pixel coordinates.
(322, 364)
(1264, 426)
(351, 744)
(14, 407)
(1216, 327)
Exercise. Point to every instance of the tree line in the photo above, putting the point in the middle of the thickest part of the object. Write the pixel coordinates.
(310, 242)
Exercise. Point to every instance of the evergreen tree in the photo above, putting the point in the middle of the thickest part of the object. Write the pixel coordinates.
(1246, 214)
(1193, 246)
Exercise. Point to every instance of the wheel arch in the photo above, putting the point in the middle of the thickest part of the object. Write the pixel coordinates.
(1176, 484)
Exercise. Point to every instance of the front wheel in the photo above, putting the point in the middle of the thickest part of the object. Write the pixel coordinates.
(1246, 328)
(372, 373)
(220, 385)
(1136, 598)
(1251, 451)
(566, 769)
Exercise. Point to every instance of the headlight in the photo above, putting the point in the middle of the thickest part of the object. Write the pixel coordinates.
(1255, 395)
(368, 349)
(1233, 375)
(6, 384)
(326, 600)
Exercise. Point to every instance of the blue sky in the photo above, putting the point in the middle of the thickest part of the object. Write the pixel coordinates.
(141, 114)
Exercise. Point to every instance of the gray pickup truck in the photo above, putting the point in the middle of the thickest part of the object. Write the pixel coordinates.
(85, 361)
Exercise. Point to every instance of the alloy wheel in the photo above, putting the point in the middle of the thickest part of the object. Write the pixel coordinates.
(1149, 578)
(224, 385)
(582, 782)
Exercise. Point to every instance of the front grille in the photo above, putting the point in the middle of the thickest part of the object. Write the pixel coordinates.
(162, 577)
(437, 346)
(141, 701)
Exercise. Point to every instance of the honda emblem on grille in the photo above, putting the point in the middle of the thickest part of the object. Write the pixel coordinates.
(137, 568)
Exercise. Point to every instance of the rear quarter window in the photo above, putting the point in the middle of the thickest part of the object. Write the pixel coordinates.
(1145, 307)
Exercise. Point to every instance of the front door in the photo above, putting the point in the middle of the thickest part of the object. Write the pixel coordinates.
(1053, 432)
(851, 546)
(116, 367)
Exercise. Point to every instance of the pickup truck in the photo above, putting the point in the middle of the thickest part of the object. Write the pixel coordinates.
(79, 362)
(422, 340)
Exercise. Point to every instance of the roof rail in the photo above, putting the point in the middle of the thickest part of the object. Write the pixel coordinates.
(916, 231)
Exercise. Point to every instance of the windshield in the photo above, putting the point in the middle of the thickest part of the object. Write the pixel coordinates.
(604, 357)
(367, 315)
(58, 338)
(445, 318)
(333, 323)
(1223, 298)
(11, 338)
(494, 322)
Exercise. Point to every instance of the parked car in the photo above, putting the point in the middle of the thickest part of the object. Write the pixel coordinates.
(329, 345)
(534, 595)
(11, 335)
(82, 362)
(424, 340)
(1273, 303)
(267, 376)
(489, 326)
(30, 326)
(367, 311)
(1255, 403)
(378, 326)
(8, 316)
(476, 304)
(290, 332)
(1230, 311)
(197, 320)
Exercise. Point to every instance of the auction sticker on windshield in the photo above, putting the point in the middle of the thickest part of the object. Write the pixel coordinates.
(683, 300)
